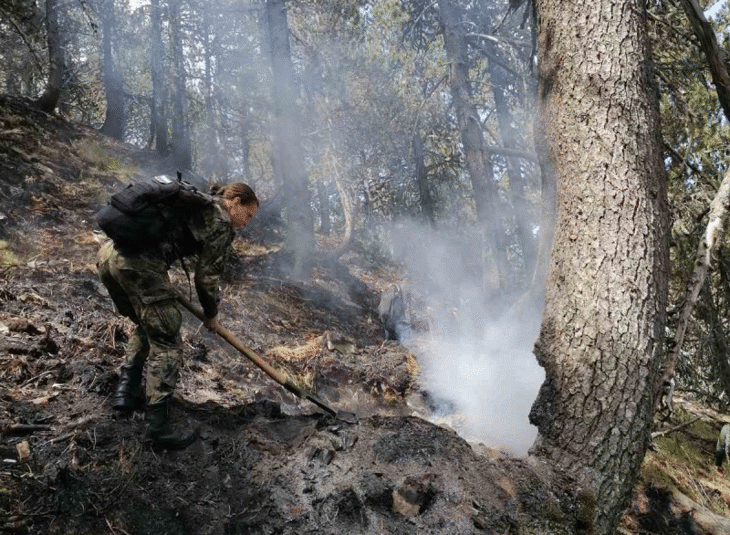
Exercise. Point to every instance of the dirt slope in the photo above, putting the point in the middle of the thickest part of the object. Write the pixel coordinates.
(266, 462)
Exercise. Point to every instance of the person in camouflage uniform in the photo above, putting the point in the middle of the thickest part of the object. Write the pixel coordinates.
(722, 448)
(139, 285)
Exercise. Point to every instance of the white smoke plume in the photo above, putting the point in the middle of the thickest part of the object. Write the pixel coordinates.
(477, 363)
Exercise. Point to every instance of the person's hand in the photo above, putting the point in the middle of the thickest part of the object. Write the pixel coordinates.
(212, 323)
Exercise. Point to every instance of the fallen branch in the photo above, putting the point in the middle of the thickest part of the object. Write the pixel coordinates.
(62, 437)
(27, 428)
(38, 377)
(658, 434)
(699, 518)
(78, 423)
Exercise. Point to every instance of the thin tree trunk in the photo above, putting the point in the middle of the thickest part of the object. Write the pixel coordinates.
(419, 159)
(716, 225)
(515, 169)
(287, 142)
(349, 213)
(716, 59)
(717, 219)
(325, 227)
(56, 62)
(602, 332)
(115, 118)
(475, 153)
(721, 348)
(181, 146)
(159, 115)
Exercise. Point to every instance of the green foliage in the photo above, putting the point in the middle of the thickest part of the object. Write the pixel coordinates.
(696, 134)
(99, 157)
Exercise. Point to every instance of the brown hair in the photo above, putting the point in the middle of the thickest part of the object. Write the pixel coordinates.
(233, 190)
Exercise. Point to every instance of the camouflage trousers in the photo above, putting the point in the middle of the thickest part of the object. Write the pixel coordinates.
(141, 290)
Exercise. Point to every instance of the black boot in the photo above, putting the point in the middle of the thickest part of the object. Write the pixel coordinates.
(128, 396)
(160, 430)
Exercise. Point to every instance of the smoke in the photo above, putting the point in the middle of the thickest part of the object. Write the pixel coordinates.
(478, 368)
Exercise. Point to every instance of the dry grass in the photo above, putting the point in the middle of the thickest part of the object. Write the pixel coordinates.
(299, 352)
(684, 460)
(8, 258)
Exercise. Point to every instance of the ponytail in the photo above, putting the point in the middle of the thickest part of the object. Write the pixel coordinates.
(233, 190)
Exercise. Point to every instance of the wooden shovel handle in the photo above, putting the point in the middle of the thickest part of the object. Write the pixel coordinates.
(281, 378)
(278, 376)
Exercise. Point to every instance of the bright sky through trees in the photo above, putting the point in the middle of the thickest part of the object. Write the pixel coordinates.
(716, 7)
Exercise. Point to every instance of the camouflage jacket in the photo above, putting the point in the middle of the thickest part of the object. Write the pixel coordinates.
(207, 234)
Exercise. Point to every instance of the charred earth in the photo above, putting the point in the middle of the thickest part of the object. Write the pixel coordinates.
(266, 462)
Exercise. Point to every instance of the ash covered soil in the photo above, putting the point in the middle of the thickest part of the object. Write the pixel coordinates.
(266, 462)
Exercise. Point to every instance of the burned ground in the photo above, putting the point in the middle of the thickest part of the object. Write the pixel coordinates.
(266, 462)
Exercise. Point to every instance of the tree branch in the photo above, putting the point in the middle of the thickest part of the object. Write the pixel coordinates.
(716, 223)
(658, 434)
(715, 56)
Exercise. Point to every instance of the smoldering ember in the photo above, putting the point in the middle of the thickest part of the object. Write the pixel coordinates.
(364, 267)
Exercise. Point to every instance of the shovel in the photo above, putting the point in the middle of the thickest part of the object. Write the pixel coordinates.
(278, 376)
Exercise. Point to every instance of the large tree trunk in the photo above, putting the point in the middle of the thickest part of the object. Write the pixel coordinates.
(159, 102)
(115, 118)
(602, 332)
(56, 62)
(287, 142)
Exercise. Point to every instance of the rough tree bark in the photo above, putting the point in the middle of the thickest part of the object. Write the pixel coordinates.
(605, 301)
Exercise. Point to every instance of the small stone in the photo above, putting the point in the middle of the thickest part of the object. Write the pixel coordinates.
(23, 449)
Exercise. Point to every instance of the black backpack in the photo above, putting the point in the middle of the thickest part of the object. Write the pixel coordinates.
(144, 214)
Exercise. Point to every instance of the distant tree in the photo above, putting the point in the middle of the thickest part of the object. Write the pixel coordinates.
(289, 161)
(502, 78)
(56, 62)
(159, 90)
(21, 27)
(182, 157)
(419, 161)
(476, 155)
(602, 335)
(115, 118)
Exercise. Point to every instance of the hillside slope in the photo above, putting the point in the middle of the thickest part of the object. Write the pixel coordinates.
(266, 462)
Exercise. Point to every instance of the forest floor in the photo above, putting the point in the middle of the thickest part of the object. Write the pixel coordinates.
(266, 462)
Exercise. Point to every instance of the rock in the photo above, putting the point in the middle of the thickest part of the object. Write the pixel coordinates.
(23, 449)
